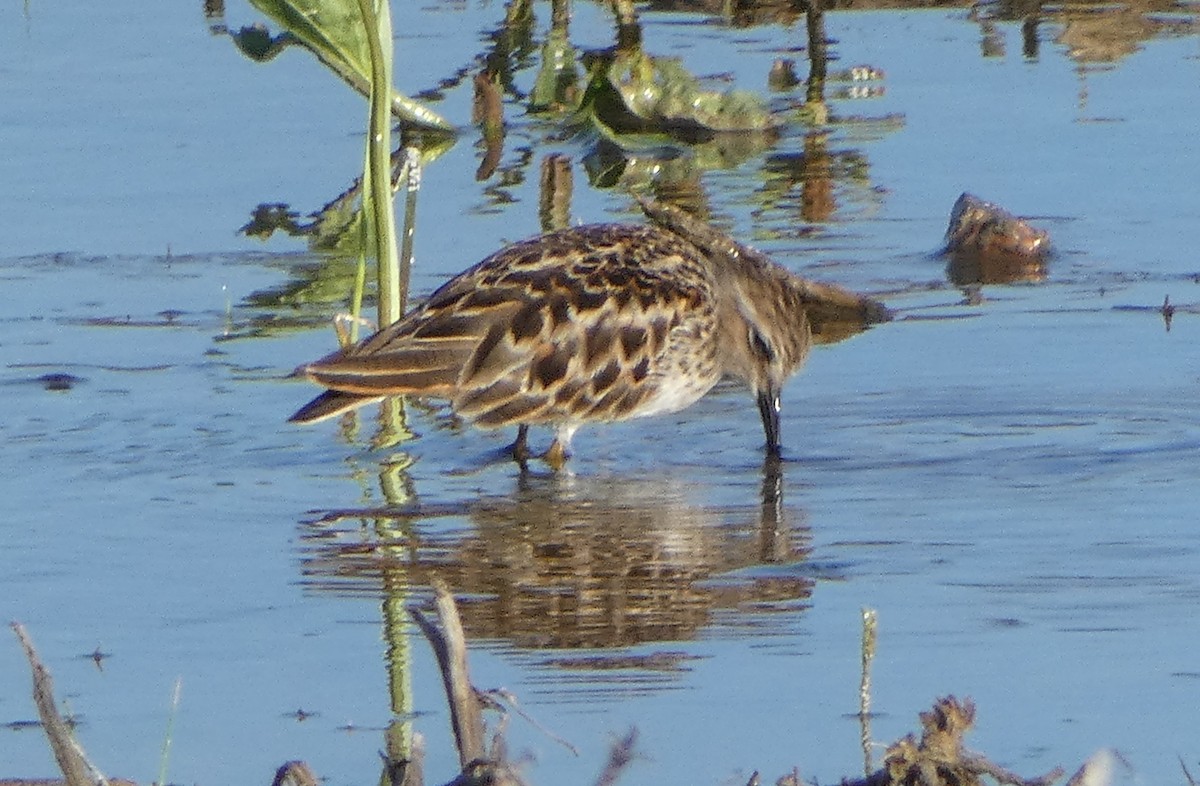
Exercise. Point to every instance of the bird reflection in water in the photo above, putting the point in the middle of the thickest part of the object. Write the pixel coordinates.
(577, 562)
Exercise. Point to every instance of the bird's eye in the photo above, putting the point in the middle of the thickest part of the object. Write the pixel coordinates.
(761, 346)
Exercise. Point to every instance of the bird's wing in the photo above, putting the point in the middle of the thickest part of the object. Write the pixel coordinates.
(570, 326)
(329, 404)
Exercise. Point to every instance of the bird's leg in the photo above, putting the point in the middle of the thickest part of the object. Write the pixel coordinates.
(520, 448)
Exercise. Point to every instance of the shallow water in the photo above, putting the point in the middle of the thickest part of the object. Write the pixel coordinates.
(1007, 476)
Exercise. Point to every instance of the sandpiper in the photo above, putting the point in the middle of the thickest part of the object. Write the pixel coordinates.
(589, 324)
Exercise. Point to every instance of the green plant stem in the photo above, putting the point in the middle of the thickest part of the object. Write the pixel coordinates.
(377, 178)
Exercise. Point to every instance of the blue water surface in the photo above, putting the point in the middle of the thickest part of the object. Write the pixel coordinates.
(1007, 474)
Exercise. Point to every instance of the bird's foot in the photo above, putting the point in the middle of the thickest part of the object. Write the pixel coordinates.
(556, 456)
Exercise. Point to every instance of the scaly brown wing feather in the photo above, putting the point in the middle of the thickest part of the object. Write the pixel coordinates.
(329, 404)
(581, 324)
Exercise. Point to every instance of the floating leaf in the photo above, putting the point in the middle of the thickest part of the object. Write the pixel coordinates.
(632, 92)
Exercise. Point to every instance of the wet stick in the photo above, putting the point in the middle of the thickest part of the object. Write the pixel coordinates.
(412, 177)
(1186, 774)
(295, 773)
(450, 647)
(166, 748)
(869, 619)
(72, 761)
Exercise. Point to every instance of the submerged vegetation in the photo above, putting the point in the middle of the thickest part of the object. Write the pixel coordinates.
(646, 114)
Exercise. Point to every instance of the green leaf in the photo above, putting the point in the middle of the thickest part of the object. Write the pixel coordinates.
(634, 93)
(555, 85)
(334, 31)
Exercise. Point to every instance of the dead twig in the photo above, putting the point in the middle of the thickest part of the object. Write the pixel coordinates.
(295, 773)
(450, 647)
(790, 779)
(509, 699)
(619, 757)
(982, 765)
(479, 767)
(1191, 781)
(72, 761)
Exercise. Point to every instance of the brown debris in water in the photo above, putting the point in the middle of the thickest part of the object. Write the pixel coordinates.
(986, 244)
(619, 757)
(939, 757)
(1168, 312)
